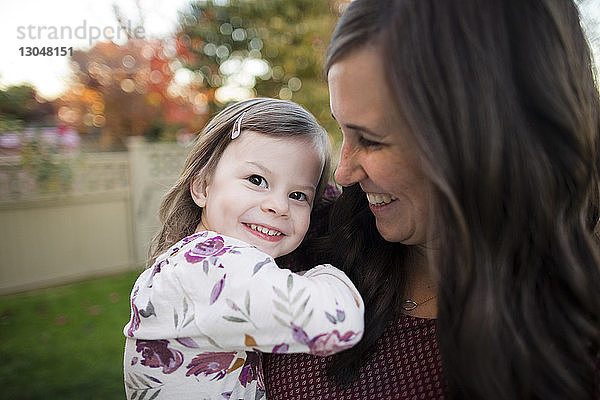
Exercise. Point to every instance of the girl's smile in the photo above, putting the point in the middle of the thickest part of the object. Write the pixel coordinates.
(269, 234)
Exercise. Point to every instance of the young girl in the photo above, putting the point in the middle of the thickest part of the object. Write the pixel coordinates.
(214, 295)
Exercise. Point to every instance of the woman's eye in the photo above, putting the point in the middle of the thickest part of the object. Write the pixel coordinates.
(257, 180)
(298, 196)
(367, 143)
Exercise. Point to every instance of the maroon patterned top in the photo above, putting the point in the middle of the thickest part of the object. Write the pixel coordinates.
(406, 365)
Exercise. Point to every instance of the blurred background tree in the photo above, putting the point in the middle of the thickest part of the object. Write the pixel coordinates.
(222, 51)
(20, 105)
(272, 48)
(131, 90)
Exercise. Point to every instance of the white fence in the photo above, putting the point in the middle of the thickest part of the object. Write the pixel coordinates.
(101, 225)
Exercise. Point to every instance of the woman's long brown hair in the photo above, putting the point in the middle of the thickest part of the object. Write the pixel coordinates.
(501, 99)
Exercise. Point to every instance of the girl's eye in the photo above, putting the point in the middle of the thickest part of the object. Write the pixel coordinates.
(367, 143)
(298, 196)
(257, 180)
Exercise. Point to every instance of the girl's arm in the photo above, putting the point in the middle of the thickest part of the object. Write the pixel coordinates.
(216, 293)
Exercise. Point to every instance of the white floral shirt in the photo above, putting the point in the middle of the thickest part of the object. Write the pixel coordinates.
(206, 308)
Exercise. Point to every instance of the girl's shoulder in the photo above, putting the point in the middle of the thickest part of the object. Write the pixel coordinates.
(211, 240)
(204, 245)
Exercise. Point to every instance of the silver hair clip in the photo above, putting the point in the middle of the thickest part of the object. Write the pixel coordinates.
(237, 126)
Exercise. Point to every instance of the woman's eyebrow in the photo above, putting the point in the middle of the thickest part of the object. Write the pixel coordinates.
(362, 129)
(359, 128)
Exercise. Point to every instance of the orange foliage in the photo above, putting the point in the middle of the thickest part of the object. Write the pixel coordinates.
(131, 90)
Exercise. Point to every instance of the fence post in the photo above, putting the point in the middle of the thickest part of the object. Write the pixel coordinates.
(139, 175)
(154, 168)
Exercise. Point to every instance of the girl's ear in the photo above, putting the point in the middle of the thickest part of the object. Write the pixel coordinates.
(198, 190)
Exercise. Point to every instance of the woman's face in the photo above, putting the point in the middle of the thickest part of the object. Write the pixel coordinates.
(377, 151)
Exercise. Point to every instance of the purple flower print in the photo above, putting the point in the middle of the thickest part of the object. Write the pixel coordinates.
(188, 342)
(157, 267)
(216, 291)
(157, 354)
(134, 324)
(321, 345)
(194, 236)
(330, 343)
(281, 348)
(298, 334)
(211, 247)
(210, 363)
(233, 306)
(252, 370)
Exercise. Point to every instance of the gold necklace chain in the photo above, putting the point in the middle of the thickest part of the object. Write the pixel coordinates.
(410, 304)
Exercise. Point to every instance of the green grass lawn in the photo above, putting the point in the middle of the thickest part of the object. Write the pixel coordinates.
(65, 342)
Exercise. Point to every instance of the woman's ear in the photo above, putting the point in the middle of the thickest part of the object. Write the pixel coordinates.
(198, 190)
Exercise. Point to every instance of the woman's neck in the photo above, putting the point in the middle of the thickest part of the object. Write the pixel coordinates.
(420, 298)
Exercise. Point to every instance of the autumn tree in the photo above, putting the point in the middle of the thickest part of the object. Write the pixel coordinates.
(272, 48)
(130, 90)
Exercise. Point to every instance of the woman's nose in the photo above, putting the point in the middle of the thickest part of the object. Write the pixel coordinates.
(275, 203)
(349, 170)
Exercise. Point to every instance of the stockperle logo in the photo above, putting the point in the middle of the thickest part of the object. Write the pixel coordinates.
(84, 31)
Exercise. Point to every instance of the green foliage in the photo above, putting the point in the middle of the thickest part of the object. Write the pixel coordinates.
(52, 171)
(8, 124)
(290, 35)
(65, 342)
(19, 103)
(161, 131)
(19, 108)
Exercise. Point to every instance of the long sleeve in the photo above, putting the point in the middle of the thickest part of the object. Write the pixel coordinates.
(216, 293)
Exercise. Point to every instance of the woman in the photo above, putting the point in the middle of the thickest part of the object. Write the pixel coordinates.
(471, 143)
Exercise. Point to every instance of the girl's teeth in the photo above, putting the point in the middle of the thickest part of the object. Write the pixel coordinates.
(264, 230)
(380, 199)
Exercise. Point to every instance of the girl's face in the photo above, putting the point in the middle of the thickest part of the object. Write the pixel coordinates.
(376, 151)
(261, 191)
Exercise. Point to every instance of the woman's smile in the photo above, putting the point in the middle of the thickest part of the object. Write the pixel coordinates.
(377, 199)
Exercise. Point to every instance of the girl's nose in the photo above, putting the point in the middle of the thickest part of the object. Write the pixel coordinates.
(276, 203)
(349, 169)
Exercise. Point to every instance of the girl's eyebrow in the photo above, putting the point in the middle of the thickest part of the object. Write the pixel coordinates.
(359, 128)
(307, 188)
(259, 166)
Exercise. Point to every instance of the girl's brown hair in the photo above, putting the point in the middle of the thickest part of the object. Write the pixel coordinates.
(178, 213)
